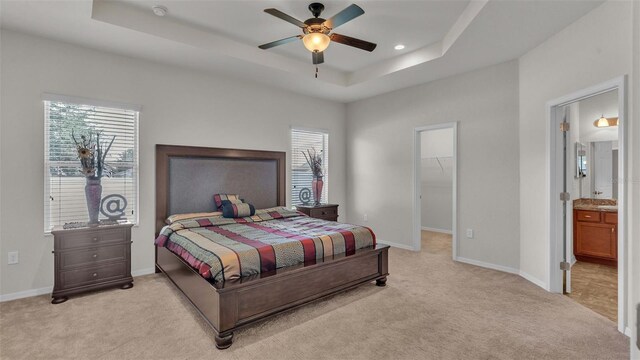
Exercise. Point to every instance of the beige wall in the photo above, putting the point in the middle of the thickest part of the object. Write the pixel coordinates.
(380, 159)
(582, 55)
(179, 106)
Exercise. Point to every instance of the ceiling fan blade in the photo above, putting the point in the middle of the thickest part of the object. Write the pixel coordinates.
(357, 43)
(349, 13)
(279, 14)
(279, 42)
(317, 57)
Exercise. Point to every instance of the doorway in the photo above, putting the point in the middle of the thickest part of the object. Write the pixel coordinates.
(587, 202)
(435, 189)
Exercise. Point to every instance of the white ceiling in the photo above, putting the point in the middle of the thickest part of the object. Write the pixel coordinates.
(442, 37)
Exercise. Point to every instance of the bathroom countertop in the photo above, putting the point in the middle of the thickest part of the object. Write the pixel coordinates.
(604, 205)
(595, 208)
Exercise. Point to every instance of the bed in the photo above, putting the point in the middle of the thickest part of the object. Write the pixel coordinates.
(186, 179)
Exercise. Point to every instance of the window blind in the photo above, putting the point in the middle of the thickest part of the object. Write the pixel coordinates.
(301, 175)
(64, 184)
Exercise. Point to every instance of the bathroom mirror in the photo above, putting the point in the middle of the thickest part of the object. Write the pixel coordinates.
(597, 169)
(581, 160)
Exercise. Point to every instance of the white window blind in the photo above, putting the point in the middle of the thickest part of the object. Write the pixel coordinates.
(64, 184)
(301, 175)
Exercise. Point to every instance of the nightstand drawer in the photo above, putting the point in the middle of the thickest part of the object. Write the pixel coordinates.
(92, 238)
(93, 256)
(87, 276)
(324, 212)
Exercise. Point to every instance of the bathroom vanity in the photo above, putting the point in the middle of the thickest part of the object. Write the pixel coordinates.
(595, 231)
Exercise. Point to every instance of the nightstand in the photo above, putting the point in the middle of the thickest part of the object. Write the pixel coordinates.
(91, 258)
(322, 211)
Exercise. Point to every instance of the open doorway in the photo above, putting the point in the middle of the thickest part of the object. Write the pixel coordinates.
(587, 200)
(435, 189)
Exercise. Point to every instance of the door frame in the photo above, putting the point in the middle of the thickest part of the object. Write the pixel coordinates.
(554, 185)
(417, 188)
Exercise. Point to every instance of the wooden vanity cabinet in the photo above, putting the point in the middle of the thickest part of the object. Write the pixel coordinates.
(595, 236)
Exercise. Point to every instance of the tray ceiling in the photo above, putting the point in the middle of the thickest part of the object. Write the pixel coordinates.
(441, 37)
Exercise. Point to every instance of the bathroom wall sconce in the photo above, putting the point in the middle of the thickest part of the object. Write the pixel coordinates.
(605, 122)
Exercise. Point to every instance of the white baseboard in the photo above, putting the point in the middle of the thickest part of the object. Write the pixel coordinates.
(26, 294)
(534, 280)
(141, 272)
(443, 231)
(399, 246)
(506, 269)
(49, 289)
(488, 265)
(627, 331)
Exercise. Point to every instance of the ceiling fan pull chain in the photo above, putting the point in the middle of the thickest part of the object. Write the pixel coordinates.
(316, 71)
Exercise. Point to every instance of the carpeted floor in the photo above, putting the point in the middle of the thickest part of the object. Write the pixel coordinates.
(432, 308)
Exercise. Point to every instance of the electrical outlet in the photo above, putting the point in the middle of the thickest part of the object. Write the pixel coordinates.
(13, 258)
(366, 218)
(470, 233)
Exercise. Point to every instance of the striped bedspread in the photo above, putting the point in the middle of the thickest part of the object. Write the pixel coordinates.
(226, 249)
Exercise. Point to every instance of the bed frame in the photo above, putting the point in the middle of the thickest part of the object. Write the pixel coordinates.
(259, 176)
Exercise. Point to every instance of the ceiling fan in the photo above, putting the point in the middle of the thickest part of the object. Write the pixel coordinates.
(318, 31)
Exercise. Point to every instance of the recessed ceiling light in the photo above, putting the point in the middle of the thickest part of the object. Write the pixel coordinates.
(159, 10)
(399, 47)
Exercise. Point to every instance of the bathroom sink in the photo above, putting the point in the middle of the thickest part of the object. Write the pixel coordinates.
(608, 207)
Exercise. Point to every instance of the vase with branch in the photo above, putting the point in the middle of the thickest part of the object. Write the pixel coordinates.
(92, 153)
(314, 160)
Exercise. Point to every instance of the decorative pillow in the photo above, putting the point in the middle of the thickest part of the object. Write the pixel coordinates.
(177, 217)
(219, 198)
(237, 210)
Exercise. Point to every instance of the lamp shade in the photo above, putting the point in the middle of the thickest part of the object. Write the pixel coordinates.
(316, 41)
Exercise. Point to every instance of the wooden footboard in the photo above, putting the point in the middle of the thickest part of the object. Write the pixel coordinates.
(237, 304)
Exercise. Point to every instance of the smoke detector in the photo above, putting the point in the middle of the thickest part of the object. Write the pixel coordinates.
(159, 10)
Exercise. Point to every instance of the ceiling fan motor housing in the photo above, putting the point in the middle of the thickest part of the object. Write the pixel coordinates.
(316, 9)
(316, 25)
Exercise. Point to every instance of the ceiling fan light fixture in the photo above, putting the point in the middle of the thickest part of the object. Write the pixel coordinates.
(316, 41)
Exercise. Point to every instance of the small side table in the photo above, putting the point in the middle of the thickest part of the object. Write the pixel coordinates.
(322, 211)
(91, 258)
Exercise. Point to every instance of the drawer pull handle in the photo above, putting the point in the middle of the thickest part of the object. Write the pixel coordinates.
(94, 256)
(587, 216)
(95, 274)
(95, 238)
(324, 213)
(612, 230)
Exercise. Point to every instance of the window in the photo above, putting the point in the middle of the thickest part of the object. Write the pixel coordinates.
(64, 183)
(301, 175)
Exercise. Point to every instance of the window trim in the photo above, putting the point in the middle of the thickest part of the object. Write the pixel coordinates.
(77, 100)
(290, 151)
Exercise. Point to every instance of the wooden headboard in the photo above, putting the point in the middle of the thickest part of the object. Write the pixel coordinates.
(188, 176)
